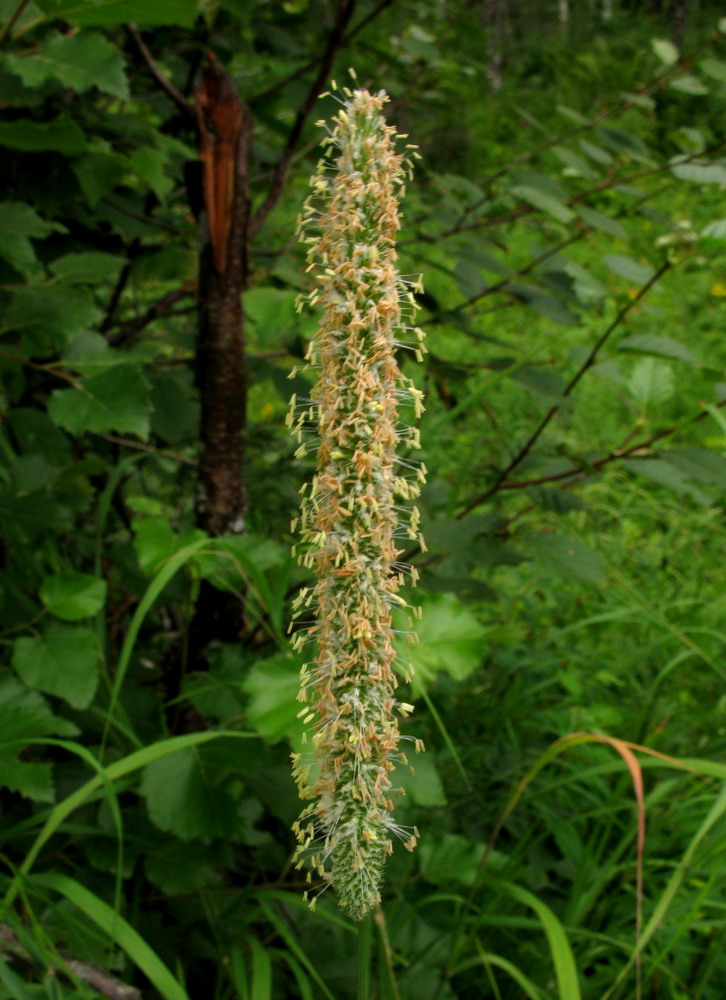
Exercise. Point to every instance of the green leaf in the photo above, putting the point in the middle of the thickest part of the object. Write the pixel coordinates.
(568, 985)
(48, 316)
(665, 50)
(79, 61)
(150, 166)
(450, 639)
(272, 687)
(61, 135)
(19, 223)
(668, 475)
(714, 68)
(90, 268)
(63, 661)
(575, 165)
(623, 142)
(185, 797)
(73, 596)
(451, 858)
(701, 173)
(105, 13)
(272, 311)
(602, 222)
(25, 715)
(628, 268)
(715, 230)
(546, 305)
(596, 153)
(566, 556)
(651, 382)
(540, 380)
(423, 786)
(698, 463)
(111, 923)
(115, 399)
(557, 209)
(689, 84)
(663, 347)
(176, 867)
(98, 174)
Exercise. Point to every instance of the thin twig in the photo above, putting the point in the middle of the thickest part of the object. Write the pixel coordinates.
(124, 332)
(140, 216)
(139, 446)
(12, 21)
(166, 85)
(92, 975)
(573, 476)
(306, 67)
(554, 409)
(335, 40)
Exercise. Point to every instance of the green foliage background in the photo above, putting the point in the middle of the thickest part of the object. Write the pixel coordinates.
(571, 231)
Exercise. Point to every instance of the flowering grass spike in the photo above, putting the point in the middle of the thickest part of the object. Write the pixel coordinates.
(357, 508)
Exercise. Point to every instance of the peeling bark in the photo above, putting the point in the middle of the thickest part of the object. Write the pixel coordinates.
(225, 131)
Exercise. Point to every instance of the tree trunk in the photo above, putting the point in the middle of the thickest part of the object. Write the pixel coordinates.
(678, 14)
(225, 130)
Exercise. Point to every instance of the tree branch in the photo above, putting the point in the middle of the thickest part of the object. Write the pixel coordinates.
(126, 331)
(335, 41)
(92, 975)
(554, 409)
(166, 85)
(302, 70)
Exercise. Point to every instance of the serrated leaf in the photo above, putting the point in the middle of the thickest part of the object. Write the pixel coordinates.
(98, 173)
(104, 13)
(450, 639)
(628, 268)
(568, 557)
(651, 382)
(272, 686)
(698, 463)
(181, 868)
(63, 661)
(150, 166)
(652, 343)
(48, 316)
(115, 399)
(25, 715)
(61, 135)
(79, 61)
(424, 787)
(19, 223)
(667, 475)
(73, 596)
(90, 268)
(665, 50)
(185, 797)
(450, 859)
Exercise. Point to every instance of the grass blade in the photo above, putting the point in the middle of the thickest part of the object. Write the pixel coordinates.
(121, 932)
(568, 985)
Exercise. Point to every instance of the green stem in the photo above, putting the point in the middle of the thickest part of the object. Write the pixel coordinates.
(365, 956)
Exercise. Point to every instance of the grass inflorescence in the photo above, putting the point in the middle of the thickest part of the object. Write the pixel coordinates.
(358, 505)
